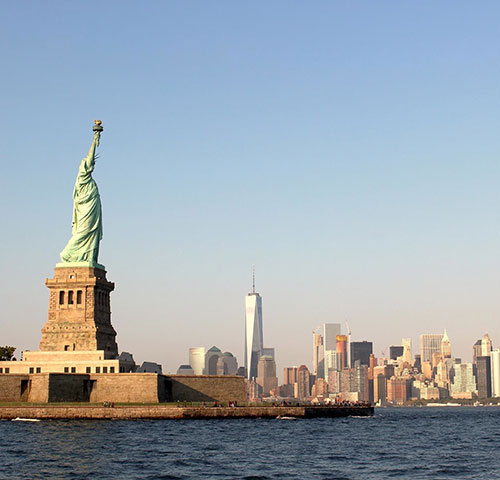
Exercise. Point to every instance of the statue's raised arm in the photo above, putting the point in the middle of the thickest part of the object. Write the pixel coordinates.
(88, 162)
(83, 246)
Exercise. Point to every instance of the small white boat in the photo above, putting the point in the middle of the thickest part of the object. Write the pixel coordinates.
(279, 417)
(19, 419)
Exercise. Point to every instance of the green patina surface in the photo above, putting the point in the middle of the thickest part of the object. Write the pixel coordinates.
(82, 248)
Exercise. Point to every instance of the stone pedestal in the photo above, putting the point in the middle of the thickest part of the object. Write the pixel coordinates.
(79, 312)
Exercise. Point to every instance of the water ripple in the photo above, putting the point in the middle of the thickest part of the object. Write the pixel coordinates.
(442, 443)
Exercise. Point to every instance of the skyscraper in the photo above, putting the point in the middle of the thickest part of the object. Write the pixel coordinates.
(429, 344)
(483, 376)
(211, 359)
(381, 374)
(418, 362)
(197, 359)
(266, 377)
(398, 390)
(407, 356)
(303, 385)
(464, 381)
(476, 351)
(396, 351)
(269, 351)
(342, 351)
(373, 364)
(495, 373)
(289, 375)
(254, 342)
(486, 345)
(361, 351)
(333, 362)
(446, 345)
(227, 364)
(330, 332)
(324, 346)
(318, 355)
(361, 383)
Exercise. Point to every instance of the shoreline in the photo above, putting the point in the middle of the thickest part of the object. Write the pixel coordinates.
(168, 412)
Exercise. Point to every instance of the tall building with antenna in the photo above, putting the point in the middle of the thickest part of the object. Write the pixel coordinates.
(254, 339)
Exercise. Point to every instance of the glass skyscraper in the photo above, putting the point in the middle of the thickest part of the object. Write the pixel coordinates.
(429, 343)
(361, 351)
(254, 342)
(324, 347)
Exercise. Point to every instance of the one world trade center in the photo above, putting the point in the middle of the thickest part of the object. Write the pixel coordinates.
(253, 331)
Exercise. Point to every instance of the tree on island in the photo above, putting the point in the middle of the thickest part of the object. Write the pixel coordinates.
(6, 353)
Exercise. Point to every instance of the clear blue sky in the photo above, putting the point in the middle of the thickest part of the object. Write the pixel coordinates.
(347, 149)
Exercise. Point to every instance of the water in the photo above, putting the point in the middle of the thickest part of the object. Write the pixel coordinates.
(419, 443)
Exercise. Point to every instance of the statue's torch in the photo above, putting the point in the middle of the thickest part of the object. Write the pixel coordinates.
(97, 130)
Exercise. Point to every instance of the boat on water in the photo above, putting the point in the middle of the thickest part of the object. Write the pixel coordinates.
(19, 419)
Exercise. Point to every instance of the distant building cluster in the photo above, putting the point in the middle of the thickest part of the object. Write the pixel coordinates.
(348, 371)
(433, 374)
(211, 362)
(260, 365)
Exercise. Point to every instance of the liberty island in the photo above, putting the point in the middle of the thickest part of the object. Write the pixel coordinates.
(78, 359)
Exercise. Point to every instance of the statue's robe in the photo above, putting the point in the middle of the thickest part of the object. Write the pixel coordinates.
(83, 246)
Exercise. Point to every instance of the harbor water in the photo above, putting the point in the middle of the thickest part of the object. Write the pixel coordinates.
(413, 443)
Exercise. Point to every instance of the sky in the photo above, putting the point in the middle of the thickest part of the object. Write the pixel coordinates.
(348, 150)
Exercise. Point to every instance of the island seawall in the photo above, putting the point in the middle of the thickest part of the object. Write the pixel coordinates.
(129, 412)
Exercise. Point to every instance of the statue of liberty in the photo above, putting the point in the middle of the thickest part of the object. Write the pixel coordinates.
(83, 246)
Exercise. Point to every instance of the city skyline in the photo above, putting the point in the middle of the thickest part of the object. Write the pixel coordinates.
(256, 315)
(432, 375)
(359, 173)
(383, 352)
(325, 346)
